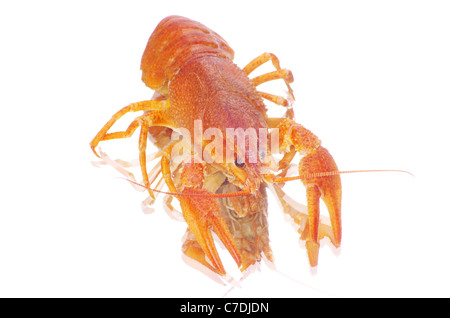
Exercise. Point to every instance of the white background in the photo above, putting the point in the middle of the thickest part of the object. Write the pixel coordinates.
(372, 80)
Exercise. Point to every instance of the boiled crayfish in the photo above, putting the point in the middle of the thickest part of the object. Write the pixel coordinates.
(201, 96)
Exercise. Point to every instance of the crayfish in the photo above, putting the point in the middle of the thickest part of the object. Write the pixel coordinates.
(217, 146)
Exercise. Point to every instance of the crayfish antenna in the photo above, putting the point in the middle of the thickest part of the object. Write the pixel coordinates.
(210, 195)
(274, 179)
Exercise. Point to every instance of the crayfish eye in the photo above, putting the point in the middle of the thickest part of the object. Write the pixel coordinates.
(239, 163)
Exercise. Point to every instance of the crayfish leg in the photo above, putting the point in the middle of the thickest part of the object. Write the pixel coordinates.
(146, 105)
(265, 57)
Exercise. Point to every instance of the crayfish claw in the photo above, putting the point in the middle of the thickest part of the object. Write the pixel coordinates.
(206, 240)
(193, 250)
(329, 190)
(221, 229)
(202, 216)
(319, 174)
